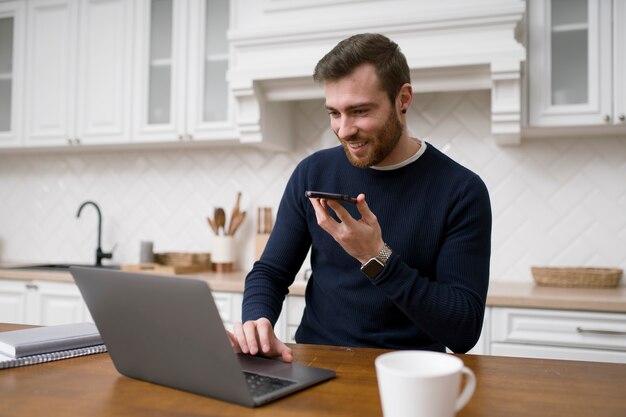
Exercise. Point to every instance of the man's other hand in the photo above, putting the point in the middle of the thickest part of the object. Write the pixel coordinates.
(257, 337)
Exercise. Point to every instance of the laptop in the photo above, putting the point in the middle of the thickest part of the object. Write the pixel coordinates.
(167, 330)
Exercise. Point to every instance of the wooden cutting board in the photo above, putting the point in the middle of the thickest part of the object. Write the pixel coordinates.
(154, 268)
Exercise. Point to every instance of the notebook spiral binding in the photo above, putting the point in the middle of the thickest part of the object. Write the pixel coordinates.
(52, 356)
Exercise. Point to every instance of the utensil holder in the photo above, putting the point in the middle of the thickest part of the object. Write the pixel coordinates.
(223, 254)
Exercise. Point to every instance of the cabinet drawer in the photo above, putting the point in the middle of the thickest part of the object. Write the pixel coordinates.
(559, 328)
(552, 352)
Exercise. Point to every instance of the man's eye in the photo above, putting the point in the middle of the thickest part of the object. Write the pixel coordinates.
(360, 112)
(333, 114)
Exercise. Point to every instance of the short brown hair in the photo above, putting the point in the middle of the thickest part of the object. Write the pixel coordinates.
(366, 48)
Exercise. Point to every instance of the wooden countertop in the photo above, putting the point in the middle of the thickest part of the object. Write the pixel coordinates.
(229, 281)
(501, 294)
(513, 387)
(529, 295)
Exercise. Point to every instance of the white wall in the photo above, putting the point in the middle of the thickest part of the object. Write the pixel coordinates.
(555, 201)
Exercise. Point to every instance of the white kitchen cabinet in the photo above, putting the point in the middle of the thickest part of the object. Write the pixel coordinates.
(58, 303)
(41, 303)
(181, 90)
(558, 334)
(577, 63)
(229, 306)
(12, 38)
(290, 317)
(14, 301)
(78, 72)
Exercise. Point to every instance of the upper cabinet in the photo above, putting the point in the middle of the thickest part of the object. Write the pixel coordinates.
(12, 15)
(181, 89)
(577, 63)
(110, 72)
(78, 69)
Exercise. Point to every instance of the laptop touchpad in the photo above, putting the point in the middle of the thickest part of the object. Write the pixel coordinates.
(262, 365)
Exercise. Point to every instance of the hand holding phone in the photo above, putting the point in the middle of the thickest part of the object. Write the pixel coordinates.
(330, 196)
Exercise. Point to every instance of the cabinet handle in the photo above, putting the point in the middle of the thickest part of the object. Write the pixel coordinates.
(598, 331)
(31, 286)
(77, 141)
(69, 141)
(622, 117)
(607, 118)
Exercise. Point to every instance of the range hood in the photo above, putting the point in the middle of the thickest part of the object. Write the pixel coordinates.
(466, 45)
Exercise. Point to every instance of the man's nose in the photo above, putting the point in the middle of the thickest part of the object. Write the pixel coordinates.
(346, 128)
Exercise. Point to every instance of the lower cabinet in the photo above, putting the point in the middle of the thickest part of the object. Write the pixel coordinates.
(41, 303)
(558, 334)
(521, 332)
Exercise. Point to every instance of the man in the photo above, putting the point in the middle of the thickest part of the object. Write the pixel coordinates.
(407, 266)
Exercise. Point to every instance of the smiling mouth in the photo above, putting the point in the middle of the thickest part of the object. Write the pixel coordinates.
(355, 145)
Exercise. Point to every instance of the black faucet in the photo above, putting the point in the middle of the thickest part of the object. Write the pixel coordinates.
(99, 254)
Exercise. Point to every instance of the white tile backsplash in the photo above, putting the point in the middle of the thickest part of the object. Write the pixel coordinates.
(555, 201)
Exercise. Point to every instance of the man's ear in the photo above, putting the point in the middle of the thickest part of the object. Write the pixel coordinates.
(405, 97)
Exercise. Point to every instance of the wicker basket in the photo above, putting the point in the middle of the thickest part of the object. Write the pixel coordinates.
(577, 277)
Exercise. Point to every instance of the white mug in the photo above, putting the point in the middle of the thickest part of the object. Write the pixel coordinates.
(422, 384)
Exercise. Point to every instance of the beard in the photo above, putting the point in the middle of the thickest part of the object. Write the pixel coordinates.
(381, 142)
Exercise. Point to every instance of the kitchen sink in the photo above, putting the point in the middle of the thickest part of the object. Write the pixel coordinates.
(61, 267)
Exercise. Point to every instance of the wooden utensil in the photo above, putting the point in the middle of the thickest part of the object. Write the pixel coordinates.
(236, 222)
(220, 220)
(234, 215)
(267, 211)
(212, 225)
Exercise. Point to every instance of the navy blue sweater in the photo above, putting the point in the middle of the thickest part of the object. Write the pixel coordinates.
(436, 217)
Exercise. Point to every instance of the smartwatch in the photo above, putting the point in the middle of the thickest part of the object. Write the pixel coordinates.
(372, 268)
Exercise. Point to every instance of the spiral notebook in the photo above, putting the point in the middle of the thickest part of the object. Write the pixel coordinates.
(50, 343)
(8, 362)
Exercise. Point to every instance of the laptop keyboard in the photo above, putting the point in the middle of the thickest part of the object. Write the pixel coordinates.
(261, 384)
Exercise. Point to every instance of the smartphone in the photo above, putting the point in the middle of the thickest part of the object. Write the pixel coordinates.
(330, 196)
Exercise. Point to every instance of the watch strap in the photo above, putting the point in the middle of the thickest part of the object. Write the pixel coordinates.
(384, 254)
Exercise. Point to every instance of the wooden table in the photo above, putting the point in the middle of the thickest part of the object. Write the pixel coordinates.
(90, 386)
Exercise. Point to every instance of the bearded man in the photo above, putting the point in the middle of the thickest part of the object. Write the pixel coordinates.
(407, 265)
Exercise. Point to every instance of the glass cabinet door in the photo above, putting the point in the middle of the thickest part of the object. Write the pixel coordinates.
(570, 45)
(6, 72)
(160, 63)
(216, 61)
(11, 70)
(209, 114)
(570, 55)
(182, 77)
(160, 59)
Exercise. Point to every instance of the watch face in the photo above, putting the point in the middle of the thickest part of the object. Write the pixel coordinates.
(372, 268)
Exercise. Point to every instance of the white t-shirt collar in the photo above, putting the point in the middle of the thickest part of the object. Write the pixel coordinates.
(407, 161)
